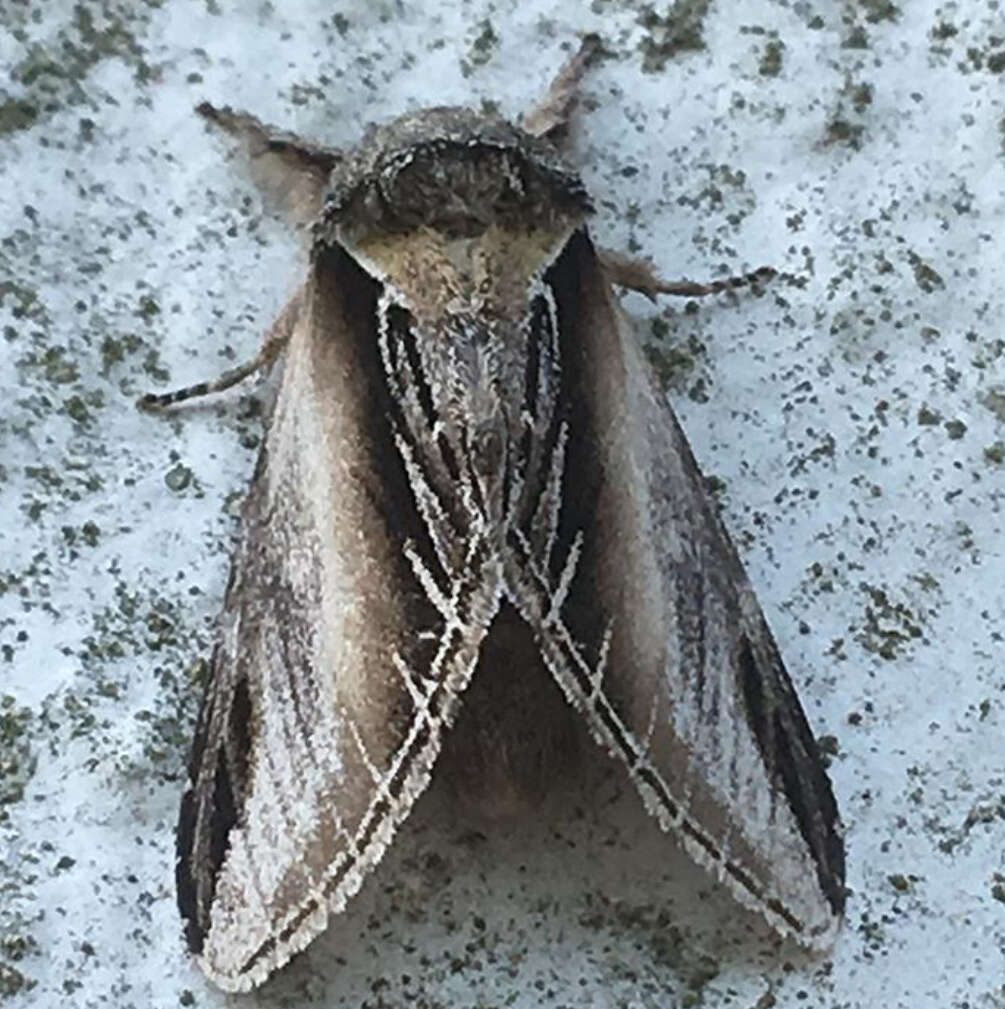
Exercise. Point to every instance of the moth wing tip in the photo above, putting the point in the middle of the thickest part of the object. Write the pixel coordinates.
(823, 937)
(233, 984)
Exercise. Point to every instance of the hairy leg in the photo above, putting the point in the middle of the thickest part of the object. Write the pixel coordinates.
(640, 275)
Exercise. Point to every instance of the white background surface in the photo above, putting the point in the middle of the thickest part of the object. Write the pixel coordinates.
(857, 423)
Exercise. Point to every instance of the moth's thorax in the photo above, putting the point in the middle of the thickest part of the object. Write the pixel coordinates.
(461, 321)
(489, 275)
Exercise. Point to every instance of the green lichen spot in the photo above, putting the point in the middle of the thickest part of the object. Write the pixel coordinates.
(842, 131)
(77, 410)
(857, 38)
(153, 367)
(899, 882)
(771, 58)
(995, 453)
(27, 304)
(17, 762)
(993, 399)
(178, 478)
(59, 368)
(115, 349)
(147, 308)
(55, 64)
(879, 10)
(677, 31)
(924, 275)
(888, 627)
(676, 365)
(483, 45)
(13, 981)
(861, 97)
(16, 114)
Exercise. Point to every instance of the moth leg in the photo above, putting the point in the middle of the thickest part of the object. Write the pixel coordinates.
(640, 275)
(292, 171)
(552, 113)
(275, 340)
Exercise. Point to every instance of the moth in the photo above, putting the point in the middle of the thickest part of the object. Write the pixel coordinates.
(472, 490)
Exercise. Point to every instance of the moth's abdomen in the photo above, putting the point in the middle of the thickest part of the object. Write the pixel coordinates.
(516, 736)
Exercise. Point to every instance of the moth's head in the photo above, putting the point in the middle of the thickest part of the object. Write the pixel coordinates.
(451, 170)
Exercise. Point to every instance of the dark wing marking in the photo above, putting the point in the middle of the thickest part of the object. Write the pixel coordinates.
(647, 620)
(337, 670)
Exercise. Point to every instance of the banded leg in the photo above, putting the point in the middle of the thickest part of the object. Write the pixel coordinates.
(640, 275)
(275, 340)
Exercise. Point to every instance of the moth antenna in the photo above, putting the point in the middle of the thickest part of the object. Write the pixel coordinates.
(272, 346)
(299, 152)
(291, 171)
(638, 274)
(552, 113)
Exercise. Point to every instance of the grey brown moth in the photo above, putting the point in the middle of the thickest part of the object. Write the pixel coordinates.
(470, 467)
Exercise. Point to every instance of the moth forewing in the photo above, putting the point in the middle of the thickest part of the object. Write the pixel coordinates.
(310, 601)
(657, 637)
(470, 463)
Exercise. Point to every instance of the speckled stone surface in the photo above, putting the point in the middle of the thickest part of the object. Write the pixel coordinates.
(852, 418)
